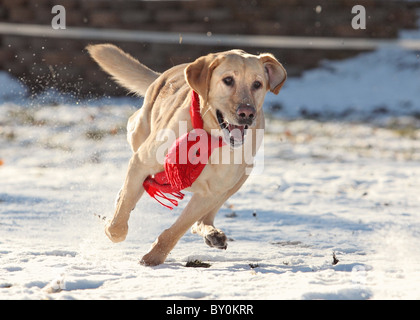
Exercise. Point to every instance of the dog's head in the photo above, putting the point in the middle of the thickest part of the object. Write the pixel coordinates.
(233, 85)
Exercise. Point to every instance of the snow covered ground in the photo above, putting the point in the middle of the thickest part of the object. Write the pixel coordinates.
(335, 214)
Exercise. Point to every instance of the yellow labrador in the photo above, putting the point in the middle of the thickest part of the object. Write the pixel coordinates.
(231, 86)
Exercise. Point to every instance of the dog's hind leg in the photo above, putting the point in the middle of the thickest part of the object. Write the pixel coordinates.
(138, 127)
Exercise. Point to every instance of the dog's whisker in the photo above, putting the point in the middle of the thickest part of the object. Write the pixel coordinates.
(208, 109)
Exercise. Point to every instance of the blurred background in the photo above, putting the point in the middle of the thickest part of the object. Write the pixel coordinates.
(48, 58)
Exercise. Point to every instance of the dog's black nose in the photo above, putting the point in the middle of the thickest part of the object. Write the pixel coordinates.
(246, 113)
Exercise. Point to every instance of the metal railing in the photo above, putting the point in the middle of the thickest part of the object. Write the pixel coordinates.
(295, 42)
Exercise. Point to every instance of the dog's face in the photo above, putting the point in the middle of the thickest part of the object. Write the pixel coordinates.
(234, 84)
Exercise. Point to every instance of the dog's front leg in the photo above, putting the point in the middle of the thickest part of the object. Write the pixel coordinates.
(195, 209)
(117, 228)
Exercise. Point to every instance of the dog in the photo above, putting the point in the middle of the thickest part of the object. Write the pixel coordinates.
(231, 87)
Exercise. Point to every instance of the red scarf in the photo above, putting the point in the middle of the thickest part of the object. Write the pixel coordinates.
(184, 161)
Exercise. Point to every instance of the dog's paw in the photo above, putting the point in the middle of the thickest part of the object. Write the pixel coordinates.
(150, 259)
(216, 239)
(116, 233)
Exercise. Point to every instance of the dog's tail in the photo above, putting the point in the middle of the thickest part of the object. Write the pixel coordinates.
(125, 70)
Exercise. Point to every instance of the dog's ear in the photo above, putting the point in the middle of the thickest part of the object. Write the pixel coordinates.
(198, 73)
(277, 75)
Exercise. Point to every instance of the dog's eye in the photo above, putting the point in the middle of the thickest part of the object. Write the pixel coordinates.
(257, 85)
(228, 81)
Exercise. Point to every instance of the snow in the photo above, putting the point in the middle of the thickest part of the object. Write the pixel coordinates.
(366, 87)
(340, 177)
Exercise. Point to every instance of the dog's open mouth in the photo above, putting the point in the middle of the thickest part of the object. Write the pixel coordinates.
(235, 134)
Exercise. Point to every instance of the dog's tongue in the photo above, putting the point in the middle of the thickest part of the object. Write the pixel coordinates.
(236, 132)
